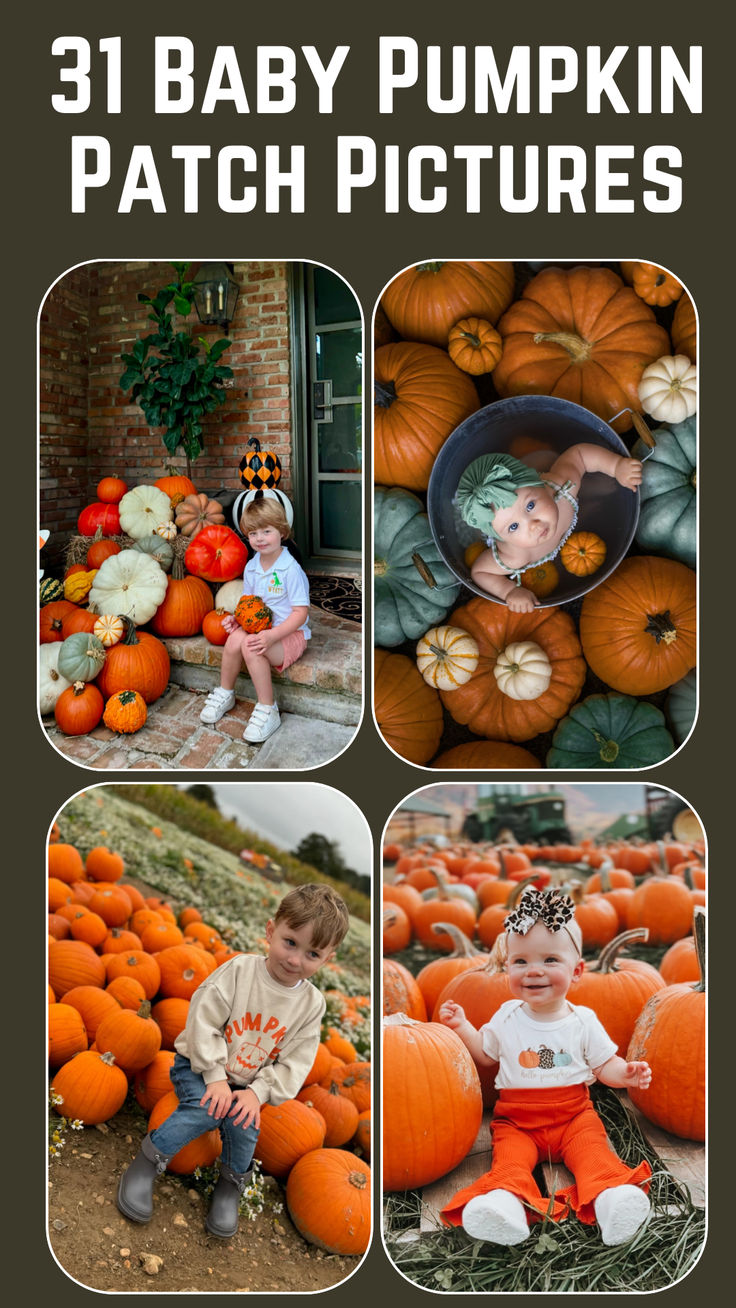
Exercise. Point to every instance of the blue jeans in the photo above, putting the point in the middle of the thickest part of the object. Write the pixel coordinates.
(190, 1119)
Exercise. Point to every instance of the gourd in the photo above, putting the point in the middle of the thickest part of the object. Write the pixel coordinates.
(420, 397)
(413, 587)
(474, 345)
(79, 708)
(138, 662)
(125, 711)
(198, 511)
(668, 388)
(581, 335)
(78, 586)
(446, 657)
(157, 547)
(481, 704)
(408, 712)
(261, 468)
(486, 754)
(523, 670)
(183, 607)
(50, 681)
(638, 628)
(216, 554)
(81, 656)
(109, 628)
(423, 302)
(668, 504)
(167, 531)
(253, 614)
(142, 509)
(610, 731)
(91, 1087)
(50, 589)
(681, 706)
(130, 584)
(655, 285)
(328, 1195)
(583, 553)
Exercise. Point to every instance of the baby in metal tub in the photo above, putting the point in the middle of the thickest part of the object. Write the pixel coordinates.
(527, 517)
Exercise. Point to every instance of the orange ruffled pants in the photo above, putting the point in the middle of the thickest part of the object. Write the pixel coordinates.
(555, 1125)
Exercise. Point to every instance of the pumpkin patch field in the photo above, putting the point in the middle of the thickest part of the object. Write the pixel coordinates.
(140, 912)
(604, 676)
(641, 910)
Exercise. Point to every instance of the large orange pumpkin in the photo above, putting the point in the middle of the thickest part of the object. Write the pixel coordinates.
(401, 993)
(482, 705)
(138, 662)
(92, 1088)
(581, 335)
(420, 397)
(486, 754)
(425, 301)
(288, 1131)
(615, 992)
(184, 605)
(408, 711)
(328, 1195)
(639, 627)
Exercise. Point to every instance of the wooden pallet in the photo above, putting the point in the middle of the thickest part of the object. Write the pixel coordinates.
(684, 1159)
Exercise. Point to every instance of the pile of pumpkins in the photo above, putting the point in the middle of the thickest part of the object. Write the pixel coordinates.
(447, 900)
(449, 338)
(122, 969)
(97, 663)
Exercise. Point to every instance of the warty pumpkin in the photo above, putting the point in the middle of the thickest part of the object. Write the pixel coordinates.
(125, 712)
(424, 301)
(408, 711)
(253, 614)
(413, 587)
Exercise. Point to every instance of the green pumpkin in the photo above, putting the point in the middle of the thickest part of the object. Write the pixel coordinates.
(610, 731)
(159, 549)
(667, 517)
(681, 705)
(81, 656)
(406, 602)
(50, 589)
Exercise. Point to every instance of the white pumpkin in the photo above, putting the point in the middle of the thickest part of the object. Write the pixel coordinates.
(130, 584)
(229, 594)
(447, 657)
(143, 509)
(50, 681)
(523, 670)
(668, 388)
(167, 530)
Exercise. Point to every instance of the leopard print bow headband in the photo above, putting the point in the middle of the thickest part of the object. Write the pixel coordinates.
(550, 907)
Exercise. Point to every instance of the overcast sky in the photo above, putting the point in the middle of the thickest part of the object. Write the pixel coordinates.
(285, 812)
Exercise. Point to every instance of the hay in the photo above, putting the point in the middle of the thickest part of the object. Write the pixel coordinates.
(76, 550)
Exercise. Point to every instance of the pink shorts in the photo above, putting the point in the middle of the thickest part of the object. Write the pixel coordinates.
(294, 646)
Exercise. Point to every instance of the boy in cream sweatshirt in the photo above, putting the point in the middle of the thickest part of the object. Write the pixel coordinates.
(251, 1037)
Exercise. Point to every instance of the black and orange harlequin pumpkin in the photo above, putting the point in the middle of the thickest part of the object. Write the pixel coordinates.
(253, 614)
(260, 469)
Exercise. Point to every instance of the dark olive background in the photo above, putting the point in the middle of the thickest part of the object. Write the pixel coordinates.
(368, 247)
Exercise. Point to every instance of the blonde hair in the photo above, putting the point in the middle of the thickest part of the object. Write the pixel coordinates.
(321, 907)
(264, 513)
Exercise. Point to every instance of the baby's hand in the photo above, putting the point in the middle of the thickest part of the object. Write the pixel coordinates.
(521, 600)
(638, 1076)
(452, 1014)
(628, 473)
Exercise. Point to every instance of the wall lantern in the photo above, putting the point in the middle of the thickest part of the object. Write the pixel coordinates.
(215, 294)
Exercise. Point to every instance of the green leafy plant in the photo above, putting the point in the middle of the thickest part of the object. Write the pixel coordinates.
(175, 379)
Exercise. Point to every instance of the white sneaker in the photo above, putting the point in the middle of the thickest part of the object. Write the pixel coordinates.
(217, 703)
(263, 721)
(620, 1211)
(498, 1217)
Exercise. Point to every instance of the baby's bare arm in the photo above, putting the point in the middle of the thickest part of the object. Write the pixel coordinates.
(573, 464)
(452, 1015)
(487, 574)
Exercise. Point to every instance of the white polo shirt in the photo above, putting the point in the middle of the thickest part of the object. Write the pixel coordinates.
(284, 586)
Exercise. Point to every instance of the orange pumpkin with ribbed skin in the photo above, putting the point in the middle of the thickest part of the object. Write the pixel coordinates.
(397, 929)
(474, 345)
(112, 903)
(100, 550)
(424, 302)
(408, 711)
(133, 1037)
(92, 1003)
(65, 862)
(432, 912)
(609, 879)
(182, 969)
(597, 919)
(50, 619)
(111, 490)
(434, 976)
(486, 754)
(161, 935)
(67, 1034)
(481, 705)
(401, 993)
(685, 329)
(212, 628)
(176, 486)
(92, 1088)
(103, 864)
(88, 926)
(288, 1131)
(152, 1082)
(74, 963)
(320, 1066)
(583, 336)
(362, 1137)
(420, 397)
(127, 991)
(201, 1152)
(665, 906)
(184, 605)
(680, 962)
(328, 1195)
(617, 993)
(430, 1129)
(171, 1015)
(118, 940)
(78, 620)
(654, 285)
(339, 1113)
(353, 1080)
(79, 708)
(639, 627)
(404, 894)
(139, 966)
(138, 662)
(583, 553)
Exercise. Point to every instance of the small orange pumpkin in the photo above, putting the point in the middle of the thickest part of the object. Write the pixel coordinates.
(541, 579)
(474, 345)
(125, 711)
(654, 285)
(583, 553)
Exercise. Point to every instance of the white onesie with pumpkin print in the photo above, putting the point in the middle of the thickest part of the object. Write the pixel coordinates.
(535, 1054)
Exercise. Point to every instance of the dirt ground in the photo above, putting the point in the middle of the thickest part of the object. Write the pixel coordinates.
(101, 1249)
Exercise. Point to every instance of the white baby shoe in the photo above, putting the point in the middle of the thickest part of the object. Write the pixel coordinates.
(263, 721)
(218, 702)
(620, 1212)
(498, 1217)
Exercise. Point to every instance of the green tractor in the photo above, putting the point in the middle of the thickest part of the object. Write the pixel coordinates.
(505, 809)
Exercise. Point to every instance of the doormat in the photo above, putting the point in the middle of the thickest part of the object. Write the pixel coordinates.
(337, 595)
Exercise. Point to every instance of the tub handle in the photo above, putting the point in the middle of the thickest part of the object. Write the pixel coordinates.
(640, 426)
(423, 570)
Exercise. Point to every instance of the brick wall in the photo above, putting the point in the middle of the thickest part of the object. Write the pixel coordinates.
(87, 427)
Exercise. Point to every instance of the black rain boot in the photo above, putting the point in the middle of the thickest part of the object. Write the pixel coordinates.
(222, 1218)
(135, 1192)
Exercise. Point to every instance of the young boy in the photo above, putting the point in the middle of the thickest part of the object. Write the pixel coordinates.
(251, 1037)
(548, 1051)
(275, 576)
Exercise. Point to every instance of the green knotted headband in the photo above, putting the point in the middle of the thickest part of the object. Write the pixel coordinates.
(490, 483)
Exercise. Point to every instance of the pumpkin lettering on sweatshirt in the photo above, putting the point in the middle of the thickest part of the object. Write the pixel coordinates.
(255, 1022)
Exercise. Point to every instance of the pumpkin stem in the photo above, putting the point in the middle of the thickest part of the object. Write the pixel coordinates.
(578, 349)
(609, 749)
(380, 567)
(129, 636)
(79, 688)
(472, 337)
(254, 441)
(463, 946)
(432, 266)
(661, 626)
(606, 960)
(519, 889)
(423, 570)
(699, 934)
(177, 568)
(384, 394)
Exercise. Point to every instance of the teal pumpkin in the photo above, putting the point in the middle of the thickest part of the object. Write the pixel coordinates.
(681, 706)
(159, 549)
(611, 731)
(667, 517)
(562, 1059)
(50, 589)
(81, 656)
(406, 563)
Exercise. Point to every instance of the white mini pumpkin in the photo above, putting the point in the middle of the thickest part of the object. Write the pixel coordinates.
(668, 388)
(447, 657)
(167, 530)
(143, 509)
(50, 681)
(130, 584)
(523, 670)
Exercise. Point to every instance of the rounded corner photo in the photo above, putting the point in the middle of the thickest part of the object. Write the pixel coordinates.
(200, 513)
(535, 514)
